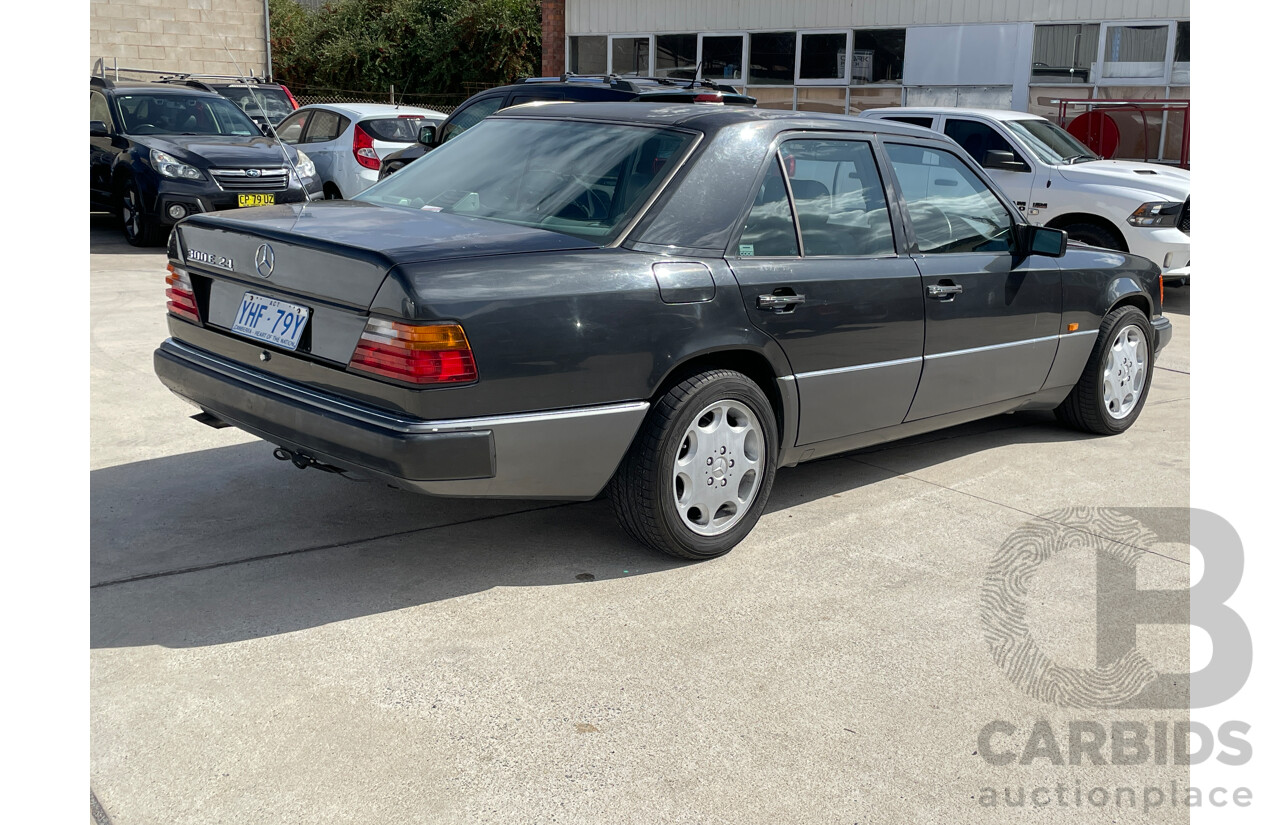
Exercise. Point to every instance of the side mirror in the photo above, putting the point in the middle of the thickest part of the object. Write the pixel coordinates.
(427, 135)
(1003, 160)
(98, 129)
(1041, 240)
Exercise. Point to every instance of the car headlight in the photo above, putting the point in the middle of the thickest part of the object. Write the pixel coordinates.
(171, 167)
(305, 166)
(1157, 213)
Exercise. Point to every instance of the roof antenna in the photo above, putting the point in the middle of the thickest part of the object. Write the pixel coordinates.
(306, 196)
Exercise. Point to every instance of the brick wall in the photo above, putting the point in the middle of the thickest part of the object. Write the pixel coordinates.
(179, 35)
(552, 37)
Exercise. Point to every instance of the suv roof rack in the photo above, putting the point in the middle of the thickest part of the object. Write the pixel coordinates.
(635, 83)
(101, 72)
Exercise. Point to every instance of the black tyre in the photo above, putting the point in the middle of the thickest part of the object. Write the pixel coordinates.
(1094, 235)
(699, 473)
(331, 192)
(1117, 377)
(139, 228)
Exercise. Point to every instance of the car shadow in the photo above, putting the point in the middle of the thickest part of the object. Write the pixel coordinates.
(227, 544)
(107, 238)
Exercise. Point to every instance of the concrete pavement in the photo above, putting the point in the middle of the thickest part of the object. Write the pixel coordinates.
(276, 646)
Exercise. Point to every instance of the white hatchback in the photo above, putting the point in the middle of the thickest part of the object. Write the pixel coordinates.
(347, 141)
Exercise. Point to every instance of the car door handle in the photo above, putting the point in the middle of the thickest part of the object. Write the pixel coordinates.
(778, 303)
(945, 292)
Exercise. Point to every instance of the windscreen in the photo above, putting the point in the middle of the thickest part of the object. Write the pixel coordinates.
(1050, 142)
(395, 129)
(580, 178)
(177, 114)
(271, 103)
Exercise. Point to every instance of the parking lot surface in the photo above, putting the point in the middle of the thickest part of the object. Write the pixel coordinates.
(277, 646)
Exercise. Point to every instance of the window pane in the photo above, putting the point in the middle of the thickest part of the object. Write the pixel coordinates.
(291, 129)
(722, 58)
(1135, 51)
(631, 56)
(877, 56)
(587, 55)
(772, 97)
(1044, 100)
(98, 109)
(677, 55)
(769, 230)
(394, 129)
(860, 100)
(773, 58)
(822, 56)
(839, 198)
(951, 210)
(1182, 54)
(1064, 54)
(324, 127)
(471, 115)
(977, 138)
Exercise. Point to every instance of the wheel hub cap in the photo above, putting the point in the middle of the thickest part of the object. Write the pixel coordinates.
(718, 467)
(1125, 374)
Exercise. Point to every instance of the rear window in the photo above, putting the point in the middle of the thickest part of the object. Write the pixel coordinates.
(260, 101)
(579, 178)
(395, 129)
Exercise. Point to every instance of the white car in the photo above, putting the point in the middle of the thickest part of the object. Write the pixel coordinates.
(347, 141)
(1143, 208)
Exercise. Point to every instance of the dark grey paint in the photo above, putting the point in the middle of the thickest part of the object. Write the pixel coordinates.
(556, 323)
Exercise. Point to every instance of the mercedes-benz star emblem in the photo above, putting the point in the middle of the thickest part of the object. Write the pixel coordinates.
(264, 260)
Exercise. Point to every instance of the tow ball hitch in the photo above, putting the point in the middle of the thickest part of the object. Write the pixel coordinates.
(302, 461)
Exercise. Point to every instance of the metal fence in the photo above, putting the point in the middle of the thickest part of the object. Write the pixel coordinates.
(445, 102)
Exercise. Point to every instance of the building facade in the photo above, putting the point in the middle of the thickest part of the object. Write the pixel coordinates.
(843, 56)
(195, 36)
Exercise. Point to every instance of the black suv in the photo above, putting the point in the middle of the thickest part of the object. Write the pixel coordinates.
(566, 87)
(159, 152)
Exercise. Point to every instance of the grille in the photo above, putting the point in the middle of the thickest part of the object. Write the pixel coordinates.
(1184, 223)
(239, 180)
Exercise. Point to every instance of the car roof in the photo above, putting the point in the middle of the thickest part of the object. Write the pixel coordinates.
(707, 117)
(143, 87)
(994, 114)
(357, 111)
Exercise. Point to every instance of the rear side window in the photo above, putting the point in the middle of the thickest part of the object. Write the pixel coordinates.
(951, 209)
(769, 230)
(977, 138)
(839, 198)
(394, 129)
(326, 126)
(98, 109)
(926, 122)
(290, 130)
(470, 116)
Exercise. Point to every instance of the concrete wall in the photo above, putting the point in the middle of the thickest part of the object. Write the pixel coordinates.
(179, 35)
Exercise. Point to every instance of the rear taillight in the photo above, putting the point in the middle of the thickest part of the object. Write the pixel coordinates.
(363, 148)
(416, 353)
(289, 94)
(182, 299)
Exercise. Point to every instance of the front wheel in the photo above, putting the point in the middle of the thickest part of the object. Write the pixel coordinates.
(1117, 377)
(698, 475)
(139, 229)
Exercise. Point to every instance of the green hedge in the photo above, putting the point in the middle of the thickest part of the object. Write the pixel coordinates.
(419, 46)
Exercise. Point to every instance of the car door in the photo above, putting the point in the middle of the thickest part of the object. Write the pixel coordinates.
(102, 152)
(819, 269)
(991, 312)
(323, 145)
(1015, 176)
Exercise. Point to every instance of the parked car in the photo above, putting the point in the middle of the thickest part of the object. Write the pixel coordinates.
(1144, 208)
(265, 102)
(159, 152)
(668, 302)
(586, 88)
(348, 141)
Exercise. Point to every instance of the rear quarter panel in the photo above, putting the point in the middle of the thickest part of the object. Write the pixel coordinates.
(557, 330)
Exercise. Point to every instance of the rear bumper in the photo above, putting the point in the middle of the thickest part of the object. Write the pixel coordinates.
(560, 454)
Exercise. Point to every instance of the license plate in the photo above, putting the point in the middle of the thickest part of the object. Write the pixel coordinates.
(271, 320)
(254, 199)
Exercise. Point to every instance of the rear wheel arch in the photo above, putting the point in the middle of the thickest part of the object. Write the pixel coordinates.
(755, 365)
(1076, 219)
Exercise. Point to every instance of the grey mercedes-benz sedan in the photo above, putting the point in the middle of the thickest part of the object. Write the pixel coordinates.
(664, 302)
